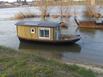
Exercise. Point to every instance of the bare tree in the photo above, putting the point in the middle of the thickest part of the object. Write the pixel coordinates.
(18, 1)
(24, 2)
(44, 9)
(64, 10)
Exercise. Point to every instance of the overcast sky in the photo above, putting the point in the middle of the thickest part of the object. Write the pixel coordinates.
(12, 0)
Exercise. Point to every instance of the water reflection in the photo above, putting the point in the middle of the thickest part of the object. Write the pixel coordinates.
(50, 51)
(88, 31)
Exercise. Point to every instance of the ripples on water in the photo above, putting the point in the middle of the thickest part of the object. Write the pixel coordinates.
(87, 50)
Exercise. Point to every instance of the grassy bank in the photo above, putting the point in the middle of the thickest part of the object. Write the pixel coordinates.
(26, 64)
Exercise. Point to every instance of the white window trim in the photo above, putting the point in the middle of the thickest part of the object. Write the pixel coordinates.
(43, 29)
(32, 29)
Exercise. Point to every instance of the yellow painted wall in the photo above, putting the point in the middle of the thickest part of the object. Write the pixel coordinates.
(25, 32)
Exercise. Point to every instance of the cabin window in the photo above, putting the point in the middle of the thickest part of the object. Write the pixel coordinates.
(32, 30)
(44, 33)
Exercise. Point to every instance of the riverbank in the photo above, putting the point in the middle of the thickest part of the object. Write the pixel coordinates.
(28, 64)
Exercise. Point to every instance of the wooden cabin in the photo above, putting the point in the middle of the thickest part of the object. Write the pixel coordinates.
(38, 30)
(44, 31)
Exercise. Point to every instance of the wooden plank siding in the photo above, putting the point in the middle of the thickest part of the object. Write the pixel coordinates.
(25, 32)
(54, 33)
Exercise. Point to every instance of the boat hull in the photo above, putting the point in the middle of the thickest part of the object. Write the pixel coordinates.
(90, 24)
(68, 41)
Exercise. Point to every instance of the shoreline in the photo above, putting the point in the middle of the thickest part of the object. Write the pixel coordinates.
(93, 67)
(98, 68)
(5, 7)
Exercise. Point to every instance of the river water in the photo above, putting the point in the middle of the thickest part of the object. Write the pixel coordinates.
(88, 50)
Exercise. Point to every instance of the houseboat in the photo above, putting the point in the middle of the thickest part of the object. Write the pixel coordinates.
(43, 31)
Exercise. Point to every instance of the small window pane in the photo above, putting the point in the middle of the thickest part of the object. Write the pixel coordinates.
(46, 33)
(41, 33)
(32, 30)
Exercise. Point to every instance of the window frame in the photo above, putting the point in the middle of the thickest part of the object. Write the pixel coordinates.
(43, 33)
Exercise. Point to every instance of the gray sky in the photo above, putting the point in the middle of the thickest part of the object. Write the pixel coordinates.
(12, 0)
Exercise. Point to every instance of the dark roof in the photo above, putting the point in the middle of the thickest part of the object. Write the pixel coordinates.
(37, 23)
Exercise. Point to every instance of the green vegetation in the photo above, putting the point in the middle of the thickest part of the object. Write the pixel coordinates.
(27, 64)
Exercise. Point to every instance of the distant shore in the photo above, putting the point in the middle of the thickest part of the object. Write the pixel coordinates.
(13, 5)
